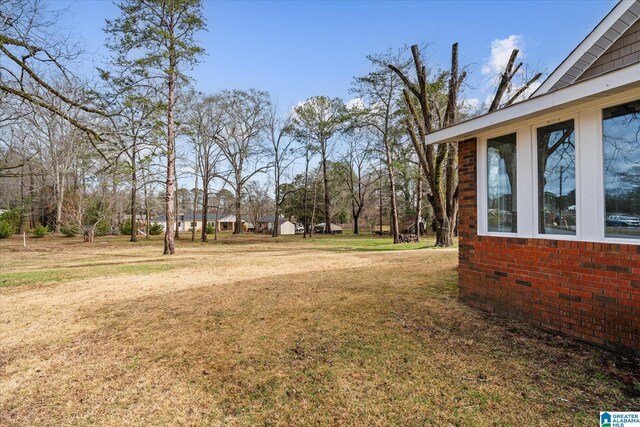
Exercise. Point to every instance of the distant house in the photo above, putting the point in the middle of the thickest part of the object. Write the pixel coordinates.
(226, 222)
(184, 222)
(265, 225)
(180, 224)
(549, 194)
(320, 228)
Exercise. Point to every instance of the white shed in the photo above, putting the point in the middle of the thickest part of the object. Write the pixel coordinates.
(286, 227)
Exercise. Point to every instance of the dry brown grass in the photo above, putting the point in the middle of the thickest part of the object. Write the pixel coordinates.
(287, 332)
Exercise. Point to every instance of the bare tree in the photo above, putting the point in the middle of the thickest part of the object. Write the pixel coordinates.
(439, 164)
(241, 142)
(259, 204)
(55, 143)
(380, 90)
(285, 153)
(38, 61)
(207, 125)
(356, 173)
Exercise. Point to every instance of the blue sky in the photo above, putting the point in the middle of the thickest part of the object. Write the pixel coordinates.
(300, 49)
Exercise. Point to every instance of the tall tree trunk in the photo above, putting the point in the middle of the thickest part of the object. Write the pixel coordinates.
(169, 248)
(418, 203)
(327, 198)
(392, 189)
(147, 215)
(205, 207)
(275, 231)
(237, 228)
(22, 207)
(306, 198)
(177, 203)
(134, 184)
(380, 193)
(59, 202)
(313, 209)
(195, 208)
(356, 215)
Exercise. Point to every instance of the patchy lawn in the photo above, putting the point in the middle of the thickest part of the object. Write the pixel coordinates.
(251, 330)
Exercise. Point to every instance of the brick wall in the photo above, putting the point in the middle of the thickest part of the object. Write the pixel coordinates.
(587, 290)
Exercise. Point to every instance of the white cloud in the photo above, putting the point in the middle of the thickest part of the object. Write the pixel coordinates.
(500, 52)
(355, 103)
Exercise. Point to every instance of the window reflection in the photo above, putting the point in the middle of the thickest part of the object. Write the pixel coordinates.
(502, 186)
(621, 139)
(557, 179)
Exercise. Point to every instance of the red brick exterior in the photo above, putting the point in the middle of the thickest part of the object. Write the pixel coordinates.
(587, 290)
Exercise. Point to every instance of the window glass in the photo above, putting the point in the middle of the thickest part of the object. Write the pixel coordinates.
(501, 180)
(557, 179)
(621, 139)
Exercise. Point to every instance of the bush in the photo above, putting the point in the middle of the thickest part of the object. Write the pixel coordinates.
(155, 229)
(69, 230)
(211, 229)
(12, 217)
(6, 229)
(102, 228)
(125, 227)
(39, 231)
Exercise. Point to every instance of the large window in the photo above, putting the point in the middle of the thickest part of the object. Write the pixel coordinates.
(501, 180)
(557, 179)
(621, 139)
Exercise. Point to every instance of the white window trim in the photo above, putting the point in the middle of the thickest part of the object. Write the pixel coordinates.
(601, 192)
(483, 189)
(590, 196)
(534, 157)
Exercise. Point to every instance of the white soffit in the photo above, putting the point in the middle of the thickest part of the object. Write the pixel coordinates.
(621, 17)
(587, 90)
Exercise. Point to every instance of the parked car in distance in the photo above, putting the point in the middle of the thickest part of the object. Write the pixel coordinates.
(299, 228)
(623, 221)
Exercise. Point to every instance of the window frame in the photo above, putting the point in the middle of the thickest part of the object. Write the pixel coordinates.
(602, 211)
(578, 177)
(482, 186)
(590, 194)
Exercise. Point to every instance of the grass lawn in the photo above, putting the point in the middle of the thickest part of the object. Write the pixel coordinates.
(250, 330)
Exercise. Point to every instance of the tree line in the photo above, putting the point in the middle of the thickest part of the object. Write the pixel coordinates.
(98, 154)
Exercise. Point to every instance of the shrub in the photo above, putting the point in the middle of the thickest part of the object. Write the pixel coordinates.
(211, 229)
(102, 228)
(6, 229)
(155, 229)
(12, 217)
(39, 231)
(69, 230)
(125, 227)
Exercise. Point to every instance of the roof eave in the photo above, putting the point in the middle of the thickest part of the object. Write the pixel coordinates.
(589, 47)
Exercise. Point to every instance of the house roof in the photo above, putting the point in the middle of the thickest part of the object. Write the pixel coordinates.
(561, 89)
(605, 34)
(211, 216)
